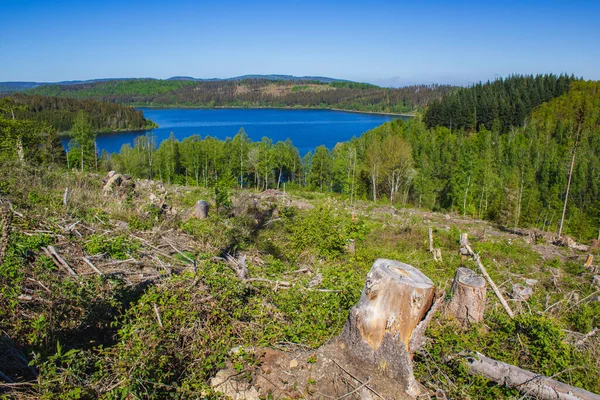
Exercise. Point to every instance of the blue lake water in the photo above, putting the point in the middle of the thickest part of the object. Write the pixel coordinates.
(306, 128)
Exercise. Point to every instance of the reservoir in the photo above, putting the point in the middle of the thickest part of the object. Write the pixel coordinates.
(306, 128)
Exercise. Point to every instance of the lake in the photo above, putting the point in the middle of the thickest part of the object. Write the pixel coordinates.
(306, 128)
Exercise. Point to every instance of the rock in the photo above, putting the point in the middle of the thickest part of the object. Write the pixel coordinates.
(226, 383)
(109, 175)
(531, 282)
(521, 292)
(293, 363)
(201, 209)
(596, 281)
(316, 280)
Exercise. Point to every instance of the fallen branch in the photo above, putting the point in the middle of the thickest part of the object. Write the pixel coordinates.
(527, 382)
(362, 385)
(58, 260)
(157, 315)
(586, 336)
(469, 251)
(358, 380)
(239, 266)
(92, 266)
(276, 283)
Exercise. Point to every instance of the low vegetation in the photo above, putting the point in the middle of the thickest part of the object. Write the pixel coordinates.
(155, 324)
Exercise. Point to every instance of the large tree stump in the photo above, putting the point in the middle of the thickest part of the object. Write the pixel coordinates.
(395, 299)
(468, 296)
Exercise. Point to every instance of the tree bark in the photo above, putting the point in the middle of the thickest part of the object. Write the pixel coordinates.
(378, 333)
(468, 296)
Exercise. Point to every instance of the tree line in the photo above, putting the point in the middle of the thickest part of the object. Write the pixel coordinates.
(252, 93)
(525, 176)
(60, 113)
(498, 105)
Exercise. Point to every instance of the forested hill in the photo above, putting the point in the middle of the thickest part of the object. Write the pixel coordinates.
(252, 93)
(60, 113)
(501, 104)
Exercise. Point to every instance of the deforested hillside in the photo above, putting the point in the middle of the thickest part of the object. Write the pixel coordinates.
(251, 92)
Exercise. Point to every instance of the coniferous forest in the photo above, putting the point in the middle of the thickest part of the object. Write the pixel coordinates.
(60, 113)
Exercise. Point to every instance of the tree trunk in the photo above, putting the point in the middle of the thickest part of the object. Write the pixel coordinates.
(378, 333)
(527, 382)
(468, 296)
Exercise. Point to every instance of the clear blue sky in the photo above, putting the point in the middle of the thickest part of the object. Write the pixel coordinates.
(383, 42)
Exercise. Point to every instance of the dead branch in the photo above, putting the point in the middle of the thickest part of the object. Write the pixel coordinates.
(358, 380)
(58, 260)
(587, 336)
(157, 315)
(92, 266)
(239, 267)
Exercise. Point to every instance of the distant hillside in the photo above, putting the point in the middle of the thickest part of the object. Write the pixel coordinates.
(272, 91)
(60, 113)
(10, 87)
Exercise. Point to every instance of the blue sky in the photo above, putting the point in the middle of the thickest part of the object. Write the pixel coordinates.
(383, 42)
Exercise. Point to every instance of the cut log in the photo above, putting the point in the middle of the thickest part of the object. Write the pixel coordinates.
(468, 296)
(527, 382)
(201, 209)
(395, 299)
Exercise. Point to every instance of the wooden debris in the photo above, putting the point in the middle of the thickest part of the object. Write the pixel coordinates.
(587, 336)
(527, 382)
(468, 296)
(58, 260)
(157, 313)
(92, 266)
(239, 266)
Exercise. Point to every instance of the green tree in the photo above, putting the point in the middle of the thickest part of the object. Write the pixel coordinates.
(83, 138)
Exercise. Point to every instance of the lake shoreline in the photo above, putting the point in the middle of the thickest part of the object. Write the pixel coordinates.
(168, 107)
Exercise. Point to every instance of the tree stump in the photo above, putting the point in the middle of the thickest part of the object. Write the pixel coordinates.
(201, 209)
(468, 296)
(395, 299)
